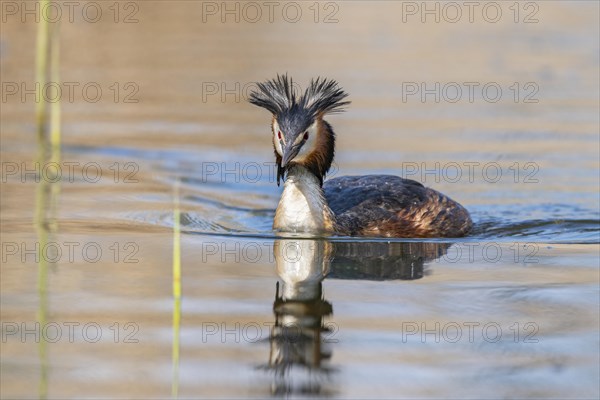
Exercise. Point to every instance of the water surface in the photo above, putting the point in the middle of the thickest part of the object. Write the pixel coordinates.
(509, 312)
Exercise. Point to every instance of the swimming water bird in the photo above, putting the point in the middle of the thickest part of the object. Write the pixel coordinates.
(370, 205)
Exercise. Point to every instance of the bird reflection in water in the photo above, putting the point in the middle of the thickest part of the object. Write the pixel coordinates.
(301, 339)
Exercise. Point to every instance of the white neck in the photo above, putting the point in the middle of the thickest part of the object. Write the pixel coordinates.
(302, 265)
(302, 207)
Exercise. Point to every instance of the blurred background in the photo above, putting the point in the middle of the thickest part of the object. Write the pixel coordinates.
(493, 103)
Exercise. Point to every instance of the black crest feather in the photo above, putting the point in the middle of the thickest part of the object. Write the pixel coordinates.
(322, 96)
(276, 95)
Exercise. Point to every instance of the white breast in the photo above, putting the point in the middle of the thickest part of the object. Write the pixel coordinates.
(301, 207)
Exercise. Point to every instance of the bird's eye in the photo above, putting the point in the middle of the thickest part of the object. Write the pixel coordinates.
(279, 134)
(306, 135)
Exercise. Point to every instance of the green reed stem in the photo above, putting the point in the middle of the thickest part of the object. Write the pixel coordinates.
(55, 109)
(41, 71)
(176, 290)
(47, 192)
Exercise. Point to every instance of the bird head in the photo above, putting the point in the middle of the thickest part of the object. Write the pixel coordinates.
(300, 135)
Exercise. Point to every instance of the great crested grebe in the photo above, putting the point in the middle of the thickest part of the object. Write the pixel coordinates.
(370, 205)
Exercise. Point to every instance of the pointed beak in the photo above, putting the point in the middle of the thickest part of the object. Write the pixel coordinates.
(289, 152)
